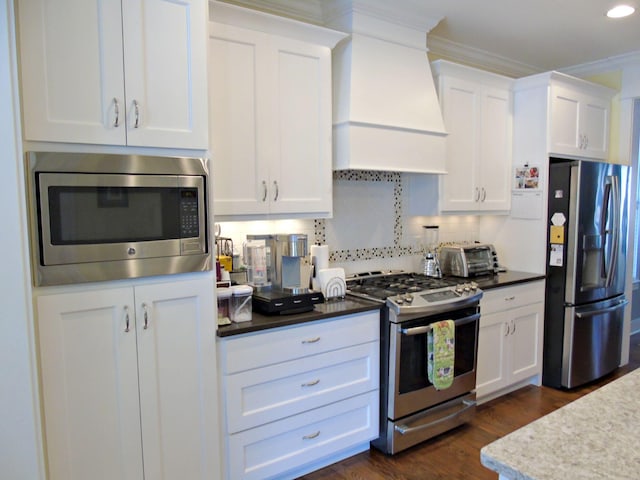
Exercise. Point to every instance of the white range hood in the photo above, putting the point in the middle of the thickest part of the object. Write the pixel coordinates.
(386, 114)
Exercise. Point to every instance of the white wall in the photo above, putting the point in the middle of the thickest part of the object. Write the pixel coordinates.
(20, 451)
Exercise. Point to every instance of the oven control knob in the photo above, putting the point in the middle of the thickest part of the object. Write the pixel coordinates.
(408, 298)
(399, 301)
(467, 288)
(459, 288)
(474, 286)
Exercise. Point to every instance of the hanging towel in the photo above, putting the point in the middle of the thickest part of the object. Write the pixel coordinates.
(441, 353)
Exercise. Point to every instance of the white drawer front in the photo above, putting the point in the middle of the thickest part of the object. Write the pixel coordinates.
(273, 449)
(505, 298)
(259, 396)
(287, 343)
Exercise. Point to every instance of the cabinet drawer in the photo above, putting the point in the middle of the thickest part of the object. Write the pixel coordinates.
(505, 298)
(273, 449)
(259, 396)
(288, 343)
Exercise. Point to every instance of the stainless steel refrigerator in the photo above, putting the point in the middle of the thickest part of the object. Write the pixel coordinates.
(586, 257)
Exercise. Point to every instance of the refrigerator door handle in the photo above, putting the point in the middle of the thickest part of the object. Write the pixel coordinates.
(600, 311)
(612, 190)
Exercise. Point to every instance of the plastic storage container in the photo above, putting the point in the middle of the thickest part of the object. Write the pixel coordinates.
(240, 308)
(224, 305)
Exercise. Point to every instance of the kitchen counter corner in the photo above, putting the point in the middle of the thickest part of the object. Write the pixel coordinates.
(328, 309)
(594, 437)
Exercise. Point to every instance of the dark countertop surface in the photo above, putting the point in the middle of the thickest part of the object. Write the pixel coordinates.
(349, 305)
(505, 279)
(332, 308)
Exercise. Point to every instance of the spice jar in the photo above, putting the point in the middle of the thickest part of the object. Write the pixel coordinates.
(240, 308)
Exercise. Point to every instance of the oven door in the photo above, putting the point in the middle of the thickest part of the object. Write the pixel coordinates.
(409, 388)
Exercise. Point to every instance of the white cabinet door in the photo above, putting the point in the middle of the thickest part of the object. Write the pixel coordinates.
(461, 110)
(565, 121)
(89, 377)
(595, 126)
(525, 342)
(176, 354)
(79, 58)
(494, 171)
(238, 121)
(71, 71)
(129, 382)
(300, 172)
(165, 64)
(270, 123)
(492, 372)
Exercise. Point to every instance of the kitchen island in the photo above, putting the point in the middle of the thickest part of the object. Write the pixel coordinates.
(594, 437)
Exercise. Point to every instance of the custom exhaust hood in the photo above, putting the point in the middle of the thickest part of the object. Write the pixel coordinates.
(386, 114)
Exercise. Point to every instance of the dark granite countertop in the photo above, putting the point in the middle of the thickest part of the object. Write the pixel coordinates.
(333, 308)
(505, 279)
(349, 305)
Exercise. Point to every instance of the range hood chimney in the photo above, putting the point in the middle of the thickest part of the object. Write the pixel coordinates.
(386, 114)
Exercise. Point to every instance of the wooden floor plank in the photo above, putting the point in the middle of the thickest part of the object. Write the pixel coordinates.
(456, 454)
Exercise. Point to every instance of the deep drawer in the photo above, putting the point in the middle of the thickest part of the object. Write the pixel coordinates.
(273, 449)
(259, 396)
(282, 344)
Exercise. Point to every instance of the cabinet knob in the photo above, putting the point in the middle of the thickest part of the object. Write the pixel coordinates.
(136, 109)
(126, 319)
(311, 340)
(311, 436)
(277, 192)
(264, 191)
(145, 316)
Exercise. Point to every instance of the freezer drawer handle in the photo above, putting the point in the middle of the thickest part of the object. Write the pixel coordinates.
(405, 430)
(427, 328)
(602, 310)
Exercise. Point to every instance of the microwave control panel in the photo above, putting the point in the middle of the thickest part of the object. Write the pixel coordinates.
(189, 219)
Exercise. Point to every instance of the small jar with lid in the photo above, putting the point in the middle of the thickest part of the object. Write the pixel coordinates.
(224, 305)
(240, 308)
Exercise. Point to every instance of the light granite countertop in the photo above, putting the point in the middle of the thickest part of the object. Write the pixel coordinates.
(595, 437)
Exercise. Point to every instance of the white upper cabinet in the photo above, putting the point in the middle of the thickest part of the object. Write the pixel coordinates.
(115, 72)
(566, 116)
(579, 120)
(270, 114)
(478, 113)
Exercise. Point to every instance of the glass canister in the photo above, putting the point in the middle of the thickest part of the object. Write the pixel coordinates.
(240, 308)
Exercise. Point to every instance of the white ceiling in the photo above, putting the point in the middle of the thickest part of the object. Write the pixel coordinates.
(537, 34)
(514, 37)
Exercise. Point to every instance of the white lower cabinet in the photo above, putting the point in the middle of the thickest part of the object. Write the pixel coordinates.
(129, 381)
(510, 339)
(296, 396)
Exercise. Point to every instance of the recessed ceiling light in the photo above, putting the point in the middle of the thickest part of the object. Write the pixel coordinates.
(620, 11)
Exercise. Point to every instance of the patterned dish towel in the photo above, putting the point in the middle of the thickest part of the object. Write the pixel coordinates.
(441, 354)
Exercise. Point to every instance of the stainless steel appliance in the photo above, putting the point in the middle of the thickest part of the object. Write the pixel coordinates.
(285, 290)
(585, 302)
(411, 409)
(104, 217)
(470, 260)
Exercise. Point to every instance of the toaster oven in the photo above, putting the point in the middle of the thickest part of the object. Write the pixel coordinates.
(468, 260)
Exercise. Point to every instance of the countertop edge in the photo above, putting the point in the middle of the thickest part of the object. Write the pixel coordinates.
(322, 311)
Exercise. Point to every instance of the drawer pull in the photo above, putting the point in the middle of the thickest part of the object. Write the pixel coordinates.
(509, 299)
(311, 384)
(311, 340)
(311, 436)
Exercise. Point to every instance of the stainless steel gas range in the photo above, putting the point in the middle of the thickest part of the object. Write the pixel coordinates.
(411, 408)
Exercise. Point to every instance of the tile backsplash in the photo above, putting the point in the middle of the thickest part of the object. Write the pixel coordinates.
(369, 229)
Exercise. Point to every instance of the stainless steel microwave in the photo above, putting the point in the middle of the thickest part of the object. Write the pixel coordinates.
(100, 217)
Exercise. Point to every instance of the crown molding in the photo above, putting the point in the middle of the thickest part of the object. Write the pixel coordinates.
(619, 62)
(478, 58)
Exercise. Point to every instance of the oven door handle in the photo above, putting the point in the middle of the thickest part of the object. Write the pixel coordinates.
(405, 430)
(427, 328)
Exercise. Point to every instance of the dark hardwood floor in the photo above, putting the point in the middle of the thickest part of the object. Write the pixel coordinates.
(456, 454)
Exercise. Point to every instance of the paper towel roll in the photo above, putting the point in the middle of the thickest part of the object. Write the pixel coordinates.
(319, 260)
